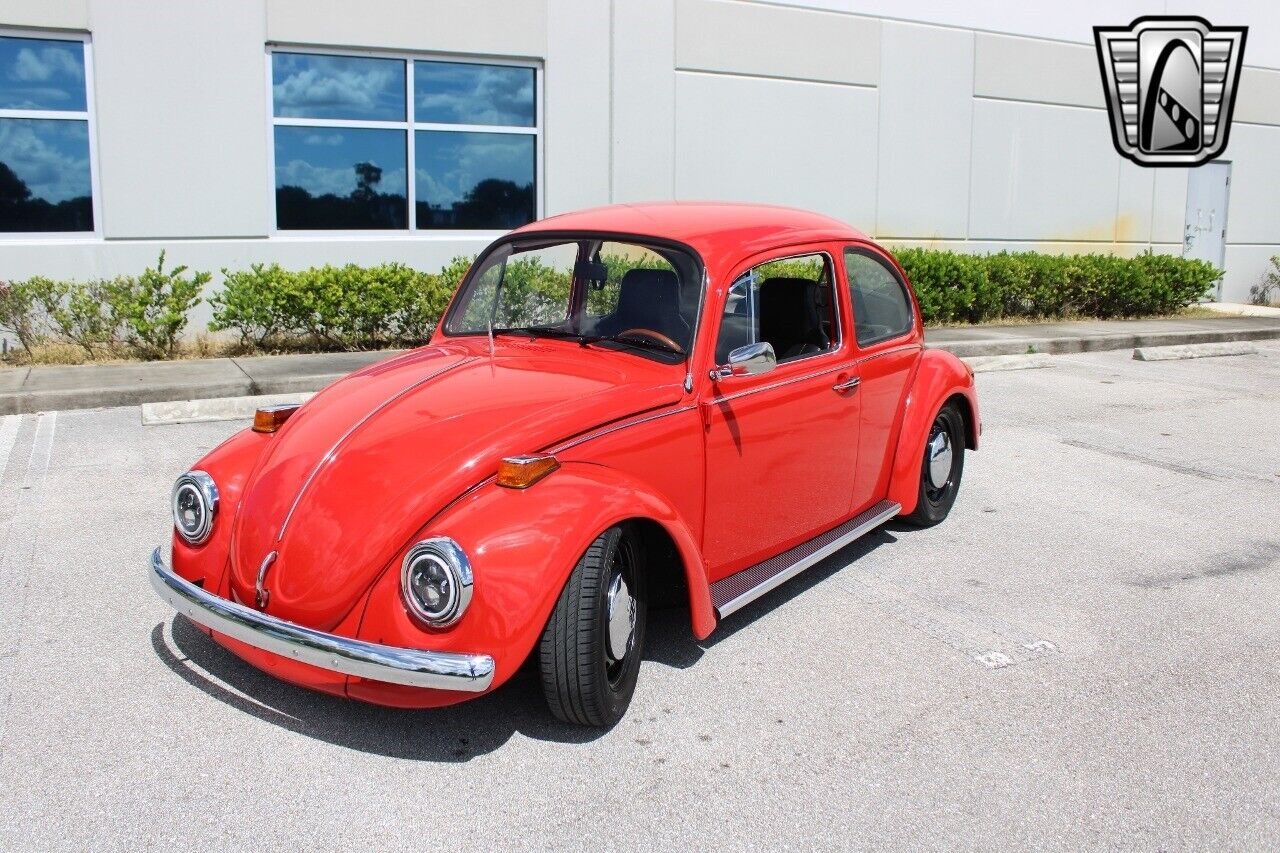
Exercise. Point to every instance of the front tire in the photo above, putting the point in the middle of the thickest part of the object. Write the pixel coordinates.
(940, 469)
(591, 648)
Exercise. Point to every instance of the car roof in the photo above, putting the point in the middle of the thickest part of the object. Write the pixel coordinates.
(711, 228)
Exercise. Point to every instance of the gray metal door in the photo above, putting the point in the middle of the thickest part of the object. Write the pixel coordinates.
(1205, 238)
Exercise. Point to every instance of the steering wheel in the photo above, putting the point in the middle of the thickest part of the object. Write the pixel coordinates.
(657, 336)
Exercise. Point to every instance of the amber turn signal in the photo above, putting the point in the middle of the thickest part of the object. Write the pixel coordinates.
(271, 418)
(521, 472)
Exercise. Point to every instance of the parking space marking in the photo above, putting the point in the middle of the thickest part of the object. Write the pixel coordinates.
(980, 637)
(9, 425)
(17, 552)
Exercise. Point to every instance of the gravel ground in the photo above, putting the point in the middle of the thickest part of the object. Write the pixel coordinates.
(1083, 655)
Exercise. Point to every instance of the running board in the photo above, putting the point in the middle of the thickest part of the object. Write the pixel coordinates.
(741, 588)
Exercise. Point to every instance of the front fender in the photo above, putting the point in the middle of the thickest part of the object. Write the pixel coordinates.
(230, 464)
(939, 377)
(522, 546)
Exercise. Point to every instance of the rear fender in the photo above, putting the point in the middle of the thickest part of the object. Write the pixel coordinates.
(940, 377)
(523, 546)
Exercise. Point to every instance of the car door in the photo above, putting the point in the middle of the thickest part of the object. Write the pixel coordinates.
(888, 341)
(781, 446)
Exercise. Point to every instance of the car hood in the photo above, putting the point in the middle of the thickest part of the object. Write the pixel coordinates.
(361, 467)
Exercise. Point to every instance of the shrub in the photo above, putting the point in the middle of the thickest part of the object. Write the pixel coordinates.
(18, 313)
(954, 287)
(1267, 291)
(152, 308)
(250, 303)
(348, 307)
(80, 312)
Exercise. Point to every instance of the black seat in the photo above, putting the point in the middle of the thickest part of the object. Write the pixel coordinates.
(794, 314)
(647, 299)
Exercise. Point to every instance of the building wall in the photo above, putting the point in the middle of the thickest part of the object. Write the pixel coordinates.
(973, 126)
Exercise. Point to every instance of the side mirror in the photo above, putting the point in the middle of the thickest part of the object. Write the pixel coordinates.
(748, 360)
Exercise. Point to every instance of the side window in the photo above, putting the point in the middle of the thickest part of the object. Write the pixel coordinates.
(788, 302)
(881, 307)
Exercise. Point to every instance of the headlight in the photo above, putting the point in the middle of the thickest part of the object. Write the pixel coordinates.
(195, 505)
(435, 580)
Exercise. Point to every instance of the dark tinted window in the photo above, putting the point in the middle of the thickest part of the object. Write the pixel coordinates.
(44, 175)
(42, 74)
(474, 180)
(343, 87)
(788, 303)
(464, 93)
(881, 307)
(346, 128)
(331, 177)
(46, 181)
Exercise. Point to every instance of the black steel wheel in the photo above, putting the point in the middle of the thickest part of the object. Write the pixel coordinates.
(940, 469)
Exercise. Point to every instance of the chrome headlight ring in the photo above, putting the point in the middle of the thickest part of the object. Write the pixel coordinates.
(195, 506)
(436, 581)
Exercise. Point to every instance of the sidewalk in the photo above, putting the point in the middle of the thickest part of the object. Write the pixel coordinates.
(1095, 335)
(33, 389)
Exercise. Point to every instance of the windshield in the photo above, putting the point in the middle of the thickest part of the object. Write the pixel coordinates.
(624, 295)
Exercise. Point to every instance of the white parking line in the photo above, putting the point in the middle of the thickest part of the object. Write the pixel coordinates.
(9, 425)
(17, 554)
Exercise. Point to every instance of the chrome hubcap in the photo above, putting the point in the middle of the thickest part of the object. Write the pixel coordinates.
(940, 459)
(622, 618)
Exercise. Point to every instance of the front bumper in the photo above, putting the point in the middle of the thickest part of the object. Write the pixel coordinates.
(409, 667)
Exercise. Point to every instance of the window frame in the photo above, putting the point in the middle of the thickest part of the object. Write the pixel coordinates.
(836, 345)
(865, 251)
(89, 115)
(409, 127)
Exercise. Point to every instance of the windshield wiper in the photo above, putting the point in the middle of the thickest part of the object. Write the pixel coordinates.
(539, 331)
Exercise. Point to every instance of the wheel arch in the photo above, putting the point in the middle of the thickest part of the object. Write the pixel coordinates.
(524, 544)
(940, 379)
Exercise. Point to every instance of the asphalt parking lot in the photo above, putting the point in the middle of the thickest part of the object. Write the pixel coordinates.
(1083, 655)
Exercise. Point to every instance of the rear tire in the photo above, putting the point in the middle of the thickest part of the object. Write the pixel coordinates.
(591, 648)
(940, 468)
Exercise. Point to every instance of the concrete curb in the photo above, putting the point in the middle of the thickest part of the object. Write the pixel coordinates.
(1100, 343)
(214, 409)
(994, 363)
(1177, 353)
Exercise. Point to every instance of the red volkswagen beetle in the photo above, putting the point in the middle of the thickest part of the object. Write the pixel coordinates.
(605, 394)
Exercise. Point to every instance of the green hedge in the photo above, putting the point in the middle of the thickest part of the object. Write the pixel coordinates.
(353, 307)
(347, 307)
(959, 288)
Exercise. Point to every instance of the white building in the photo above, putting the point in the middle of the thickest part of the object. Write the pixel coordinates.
(314, 131)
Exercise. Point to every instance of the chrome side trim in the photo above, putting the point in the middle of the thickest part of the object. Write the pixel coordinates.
(881, 513)
(793, 380)
(559, 448)
(332, 452)
(471, 673)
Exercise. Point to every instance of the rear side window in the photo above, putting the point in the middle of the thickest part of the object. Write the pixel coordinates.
(881, 306)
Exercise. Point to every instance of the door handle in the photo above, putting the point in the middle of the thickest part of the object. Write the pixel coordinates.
(847, 385)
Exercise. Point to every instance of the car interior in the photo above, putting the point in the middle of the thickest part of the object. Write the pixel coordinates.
(793, 314)
(647, 299)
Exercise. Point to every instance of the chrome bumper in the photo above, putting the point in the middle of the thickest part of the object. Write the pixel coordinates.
(410, 667)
